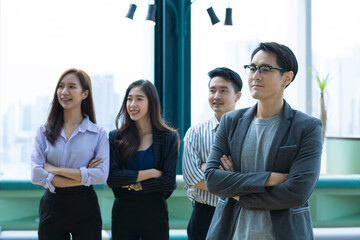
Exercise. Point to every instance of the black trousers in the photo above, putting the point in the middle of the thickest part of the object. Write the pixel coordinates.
(200, 221)
(140, 216)
(73, 210)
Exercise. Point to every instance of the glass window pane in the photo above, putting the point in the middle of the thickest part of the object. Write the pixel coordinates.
(40, 39)
(336, 51)
(231, 46)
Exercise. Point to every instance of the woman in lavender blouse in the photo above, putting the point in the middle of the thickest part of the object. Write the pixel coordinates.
(143, 156)
(71, 153)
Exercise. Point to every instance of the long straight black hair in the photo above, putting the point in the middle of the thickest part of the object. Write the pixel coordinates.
(55, 119)
(130, 138)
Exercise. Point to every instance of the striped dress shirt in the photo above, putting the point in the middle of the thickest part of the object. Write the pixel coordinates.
(197, 145)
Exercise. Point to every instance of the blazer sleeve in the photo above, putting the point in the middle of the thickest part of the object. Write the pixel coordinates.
(224, 183)
(118, 175)
(167, 181)
(303, 175)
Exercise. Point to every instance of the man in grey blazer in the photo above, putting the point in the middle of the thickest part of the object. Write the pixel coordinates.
(275, 158)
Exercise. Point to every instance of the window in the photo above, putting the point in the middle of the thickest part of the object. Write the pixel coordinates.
(336, 50)
(231, 46)
(40, 39)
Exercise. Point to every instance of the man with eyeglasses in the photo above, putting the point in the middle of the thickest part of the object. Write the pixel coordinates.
(275, 165)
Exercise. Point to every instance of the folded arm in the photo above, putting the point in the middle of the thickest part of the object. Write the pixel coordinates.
(302, 179)
(59, 181)
(67, 177)
(167, 180)
(121, 177)
(98, 174)
(193, 167)
(38, 174)
(225, 183)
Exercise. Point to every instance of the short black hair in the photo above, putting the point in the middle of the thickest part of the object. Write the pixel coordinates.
(285, 58)
(229, 75)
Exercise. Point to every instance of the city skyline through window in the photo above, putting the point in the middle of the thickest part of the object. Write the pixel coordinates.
(40, 39)
(231, 46)
(335, 50)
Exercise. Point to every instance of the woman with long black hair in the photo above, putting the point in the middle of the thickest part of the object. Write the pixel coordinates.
(143, 156)
(71, 153)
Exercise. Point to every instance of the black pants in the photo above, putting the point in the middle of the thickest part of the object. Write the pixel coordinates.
(140, 216)
(72, 210)
(200, 221)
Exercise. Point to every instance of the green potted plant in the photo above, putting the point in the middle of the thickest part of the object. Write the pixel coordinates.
(322, 83)
(342, 152)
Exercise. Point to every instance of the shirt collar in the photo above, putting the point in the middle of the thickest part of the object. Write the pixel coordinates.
(87, 125)
(214, 122)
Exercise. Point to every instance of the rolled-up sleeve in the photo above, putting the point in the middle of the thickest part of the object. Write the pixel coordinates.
(98, 175)
(39, 175)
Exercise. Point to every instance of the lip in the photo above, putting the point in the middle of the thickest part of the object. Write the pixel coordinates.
(217, 103)
(66, 99)
(133, 112)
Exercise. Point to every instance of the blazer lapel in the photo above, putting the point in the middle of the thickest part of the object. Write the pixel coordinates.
(280, 133)
(157, 147)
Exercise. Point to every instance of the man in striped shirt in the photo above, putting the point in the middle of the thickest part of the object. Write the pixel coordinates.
(224, 92)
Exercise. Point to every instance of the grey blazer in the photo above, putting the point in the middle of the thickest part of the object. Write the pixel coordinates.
(296, 149)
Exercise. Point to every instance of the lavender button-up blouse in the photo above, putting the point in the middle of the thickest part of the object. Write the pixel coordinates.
(87, 142)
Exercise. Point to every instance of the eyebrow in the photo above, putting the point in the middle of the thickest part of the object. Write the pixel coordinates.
(221, 87)
(264, 64)
(136, 95)
(69, 83)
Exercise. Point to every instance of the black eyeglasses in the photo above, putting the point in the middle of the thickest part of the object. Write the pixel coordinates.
(263, 69)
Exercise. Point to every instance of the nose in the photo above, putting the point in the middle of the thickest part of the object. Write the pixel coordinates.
(64, 91)
(217, 95)
(132, 103)
(256, 74)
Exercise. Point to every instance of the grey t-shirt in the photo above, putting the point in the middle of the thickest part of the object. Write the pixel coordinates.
(253, 224)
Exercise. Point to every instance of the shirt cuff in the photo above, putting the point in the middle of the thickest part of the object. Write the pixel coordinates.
(196, 178)
(48, 183)
(85, 179)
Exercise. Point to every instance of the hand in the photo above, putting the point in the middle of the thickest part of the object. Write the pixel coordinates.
(95, 162)
(228, 163)
(148, 174)
(229, 166)
(137, 188)
(50, 168)
(276, 178)
(203, 167)
(156, 173)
